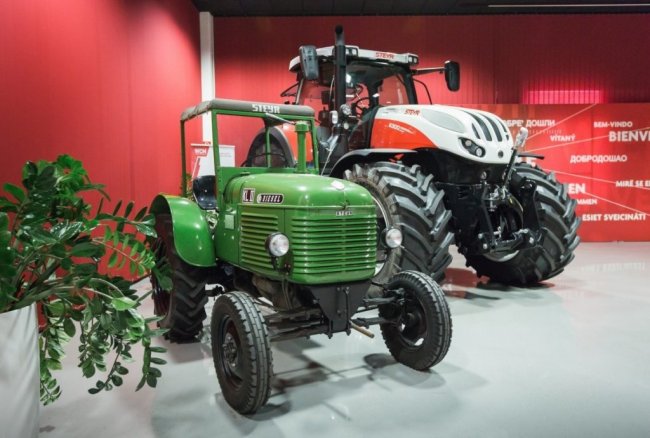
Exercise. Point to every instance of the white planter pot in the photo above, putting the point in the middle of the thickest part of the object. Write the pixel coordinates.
(19, 373)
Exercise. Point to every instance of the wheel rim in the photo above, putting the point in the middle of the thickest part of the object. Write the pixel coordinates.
(412, 325)
(230, 353)
(382, 223)
(161, 297)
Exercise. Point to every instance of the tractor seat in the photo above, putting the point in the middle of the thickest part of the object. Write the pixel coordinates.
(203, 189)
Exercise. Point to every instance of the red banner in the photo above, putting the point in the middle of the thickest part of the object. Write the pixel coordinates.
(602, 151)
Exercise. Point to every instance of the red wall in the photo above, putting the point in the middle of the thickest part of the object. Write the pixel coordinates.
(102, 80)
(504, 59)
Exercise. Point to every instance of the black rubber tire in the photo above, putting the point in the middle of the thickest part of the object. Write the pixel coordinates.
(554, 251)
(245, 378)
(182, 308)
(416, 207)
(432, 322)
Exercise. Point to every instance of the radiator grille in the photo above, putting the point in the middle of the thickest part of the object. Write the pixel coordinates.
(327, 244)
(255, 228)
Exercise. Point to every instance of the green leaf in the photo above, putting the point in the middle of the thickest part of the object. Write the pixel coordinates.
(101, 205)
(147, 230)
(55, 307)
(66, 264)
(86, 249)
(158, 361)
(66, 230)
(164, 281)
(112, 261)
(117, 208)
(132, 268)
(7, 206)
(158, 349)
(158, 332)
(128, 209)
(53, 364)
(116, 239)
(88, 369)
(123, 303)
(134, 319)
(68, 327)
(152, 380)
(86, 270)
(140, 214)
(15, 191)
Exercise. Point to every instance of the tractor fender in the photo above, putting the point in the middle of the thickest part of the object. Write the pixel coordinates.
(365, 156)
(192, 237)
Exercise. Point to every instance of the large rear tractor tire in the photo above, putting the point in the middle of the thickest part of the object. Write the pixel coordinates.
(419, 334)
(553, 251)
(182, 307)
(405, 197)
(241, 350)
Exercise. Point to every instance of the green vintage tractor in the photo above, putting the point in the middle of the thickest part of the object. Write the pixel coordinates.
(288, 254)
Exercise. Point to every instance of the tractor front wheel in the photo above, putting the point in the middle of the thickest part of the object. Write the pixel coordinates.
(558, 239)
(241, 350)
(419, 332)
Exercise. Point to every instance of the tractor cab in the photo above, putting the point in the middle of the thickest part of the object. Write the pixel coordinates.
(347, 89)
(369, 84)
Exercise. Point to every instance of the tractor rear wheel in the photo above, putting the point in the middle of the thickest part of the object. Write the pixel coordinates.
(406, 198)
(182, 307)
(419, 333)
(553, 251)
(241, 349)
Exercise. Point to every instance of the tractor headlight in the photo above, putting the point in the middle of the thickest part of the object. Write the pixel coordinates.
(472, 147)
(277, 244)
(392, 238)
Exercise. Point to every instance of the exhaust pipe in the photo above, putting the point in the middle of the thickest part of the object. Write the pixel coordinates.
(340, 64)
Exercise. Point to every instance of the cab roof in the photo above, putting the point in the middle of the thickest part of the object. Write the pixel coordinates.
(246, 106)
(327, 53)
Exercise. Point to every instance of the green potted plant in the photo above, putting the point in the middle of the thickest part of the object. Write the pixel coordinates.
(58, 254)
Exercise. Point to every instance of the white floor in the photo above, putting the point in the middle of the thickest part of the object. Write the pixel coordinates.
(568, 359)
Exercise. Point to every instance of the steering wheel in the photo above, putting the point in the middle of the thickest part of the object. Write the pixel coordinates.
(359, 110)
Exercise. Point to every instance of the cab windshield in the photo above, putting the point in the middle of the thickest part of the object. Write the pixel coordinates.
(369, 84)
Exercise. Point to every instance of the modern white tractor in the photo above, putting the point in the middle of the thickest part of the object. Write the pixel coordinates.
(439, 173)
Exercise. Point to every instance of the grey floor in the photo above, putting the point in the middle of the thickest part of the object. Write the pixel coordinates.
(570, 358)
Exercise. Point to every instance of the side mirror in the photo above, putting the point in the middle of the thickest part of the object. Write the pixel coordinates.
(452, 75)
(309, 62)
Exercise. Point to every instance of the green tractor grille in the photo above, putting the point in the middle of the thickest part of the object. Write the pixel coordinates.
(326, 244)
(255, 228)
(324, 248)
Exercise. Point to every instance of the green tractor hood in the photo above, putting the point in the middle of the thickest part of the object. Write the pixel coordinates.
(330, 223)
(298, 190)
